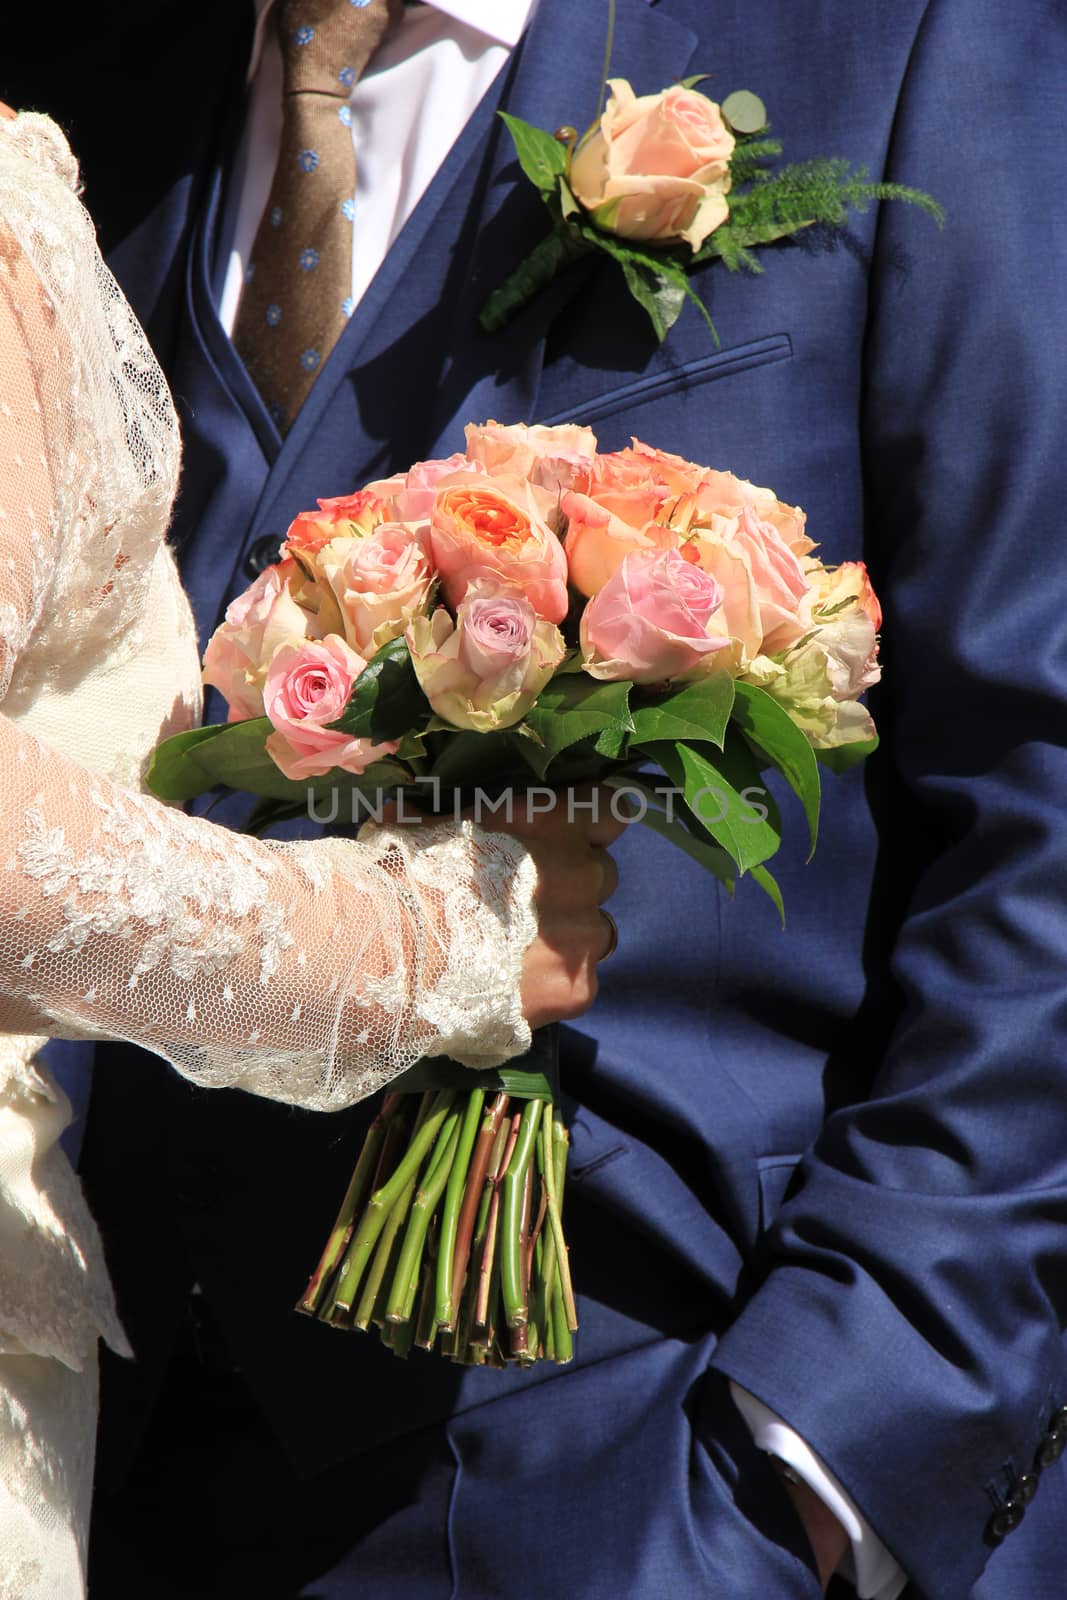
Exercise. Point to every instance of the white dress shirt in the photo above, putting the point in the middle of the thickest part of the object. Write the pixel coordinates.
(408, 109)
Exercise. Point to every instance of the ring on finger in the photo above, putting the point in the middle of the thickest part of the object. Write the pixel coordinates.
(613, 934)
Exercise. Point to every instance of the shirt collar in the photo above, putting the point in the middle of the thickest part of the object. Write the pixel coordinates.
(501, 20)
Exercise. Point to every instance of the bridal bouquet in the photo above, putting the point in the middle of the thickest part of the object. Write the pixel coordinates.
(509, 622)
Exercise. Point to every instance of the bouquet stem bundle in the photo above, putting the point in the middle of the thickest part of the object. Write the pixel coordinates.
(452, 1229)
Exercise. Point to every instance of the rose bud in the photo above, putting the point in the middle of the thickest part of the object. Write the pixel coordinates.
(656, 167)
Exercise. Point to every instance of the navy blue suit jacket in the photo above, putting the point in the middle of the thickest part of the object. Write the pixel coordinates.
(831, 1162)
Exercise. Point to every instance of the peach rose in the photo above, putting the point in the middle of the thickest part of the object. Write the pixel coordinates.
(656, 167)
(240, 650)
(350, 515)
(769, 580)
(554, 458)
(380, 582)
(497, 528)
(485, 669)
(409, 495)
(650, 622)
(624, 509)
(308, 686)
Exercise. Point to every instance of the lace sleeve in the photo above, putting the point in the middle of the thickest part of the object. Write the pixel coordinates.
(308, 972)
(311, 973)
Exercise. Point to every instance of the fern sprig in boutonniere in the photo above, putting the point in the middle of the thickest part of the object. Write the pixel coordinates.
(663, 184)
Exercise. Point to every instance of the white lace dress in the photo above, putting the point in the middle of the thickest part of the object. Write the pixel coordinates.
(312, 973)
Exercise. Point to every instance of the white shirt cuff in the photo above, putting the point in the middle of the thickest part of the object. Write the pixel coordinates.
(867, 1563)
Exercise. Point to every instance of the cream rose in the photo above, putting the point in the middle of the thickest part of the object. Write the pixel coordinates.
(485, 669)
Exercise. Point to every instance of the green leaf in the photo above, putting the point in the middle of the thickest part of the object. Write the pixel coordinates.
(172, 773)
(703, 850)
(438, 1072)
(542, 157)
(237, 757)
(770, 727)
(719, 792)
(769, 884)
(387, 700)
(488, 761)
(697, 712)
(843, 757)
(576, 707)
(659, 292)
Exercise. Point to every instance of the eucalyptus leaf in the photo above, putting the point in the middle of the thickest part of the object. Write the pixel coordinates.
(541, 156)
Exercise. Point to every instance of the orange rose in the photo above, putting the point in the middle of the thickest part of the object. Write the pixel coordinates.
(498, 528)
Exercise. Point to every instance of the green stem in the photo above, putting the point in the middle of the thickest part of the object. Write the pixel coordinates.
(556, 251)
(431, 1188)
(511, 1251)
(346, 1216)
(383, 1200)
(554, 1171)
(455, 1194)
(384, 1252)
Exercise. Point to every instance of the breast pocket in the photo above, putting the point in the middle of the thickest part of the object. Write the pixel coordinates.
(679, 381)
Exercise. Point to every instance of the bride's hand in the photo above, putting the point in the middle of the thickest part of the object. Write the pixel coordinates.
(575, 876)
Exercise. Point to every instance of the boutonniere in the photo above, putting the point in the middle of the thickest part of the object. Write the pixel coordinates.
(663, 184)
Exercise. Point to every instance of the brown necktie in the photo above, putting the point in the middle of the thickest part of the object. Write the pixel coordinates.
(296, 297)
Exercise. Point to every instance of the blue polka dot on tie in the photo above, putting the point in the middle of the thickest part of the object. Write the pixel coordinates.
(348, 305)
(359, 4)
(273, 315)
(277, 415)
(344, 115)
(347, 76)
(250, 272)
(310, 359)
(308, 160)
(275, 216)
(303, 35)
(348, 209)
(309, 260)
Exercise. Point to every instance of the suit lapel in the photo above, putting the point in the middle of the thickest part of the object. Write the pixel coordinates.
(553, 79)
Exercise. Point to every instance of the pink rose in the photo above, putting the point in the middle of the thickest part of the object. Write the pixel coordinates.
(554, 458)
(261, 619)
(625, 509)
(657, 166)
(308, 686)
(380, 582)
(485, 669)
(651, 621)
(497, 528)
